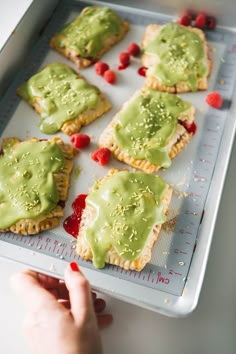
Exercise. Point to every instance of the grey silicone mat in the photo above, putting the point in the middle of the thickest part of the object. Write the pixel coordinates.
(190, 173)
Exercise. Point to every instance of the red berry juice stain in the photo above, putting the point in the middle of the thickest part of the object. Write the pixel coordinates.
(123, 67)
(72, 223)
(142, 71)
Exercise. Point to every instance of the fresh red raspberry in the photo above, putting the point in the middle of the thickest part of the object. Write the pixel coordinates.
(211, 22)
(200, 21)
(214, 99)
(133, 49)
(190, 127)
(124, 58)
(102, 156)
(190, 12)
(101, 67)
(80, 140)
(142, 71)
(110, 76)
(185, 20)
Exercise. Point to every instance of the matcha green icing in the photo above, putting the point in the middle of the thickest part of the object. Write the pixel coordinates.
(146, 124)
(61, 94)
(27, 187)
(128, 205)
(182, 56)
(87, 34)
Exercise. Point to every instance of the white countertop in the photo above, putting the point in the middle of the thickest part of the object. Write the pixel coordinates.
(211, 329)
(11, 11)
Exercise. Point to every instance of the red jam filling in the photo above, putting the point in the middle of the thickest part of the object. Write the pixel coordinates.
(190, 127)
(72, 223)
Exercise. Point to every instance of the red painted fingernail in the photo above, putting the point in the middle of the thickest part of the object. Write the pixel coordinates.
(74, 266)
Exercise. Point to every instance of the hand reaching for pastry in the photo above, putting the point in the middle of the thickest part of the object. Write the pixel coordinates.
(63, 317)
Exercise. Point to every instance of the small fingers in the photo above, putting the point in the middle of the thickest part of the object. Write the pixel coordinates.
(47, 282)
(60, 291)
(55, 286)
(27, 285)
(65, 303)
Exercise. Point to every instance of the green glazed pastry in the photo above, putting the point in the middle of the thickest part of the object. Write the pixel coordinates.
(64, 99)
(89, 35)
(177, 58)
(150, 130)
(122, 219)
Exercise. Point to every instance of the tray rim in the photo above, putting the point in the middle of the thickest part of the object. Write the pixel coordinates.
(176, 306)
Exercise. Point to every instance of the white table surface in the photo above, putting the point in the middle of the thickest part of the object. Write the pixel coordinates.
(211, 329)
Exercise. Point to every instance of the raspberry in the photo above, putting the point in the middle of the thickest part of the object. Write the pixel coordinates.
(190, 127)
(80, 140)
(122, 67)
(200, 21)
(214, 99)
(101, 67)
(211, 22)
(191, 13)
(133, 49)
(110, 76)
(142, 71)
(124, 58)
(185, 20)
(102, 156)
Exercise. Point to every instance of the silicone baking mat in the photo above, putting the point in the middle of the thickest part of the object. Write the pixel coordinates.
(190, 173)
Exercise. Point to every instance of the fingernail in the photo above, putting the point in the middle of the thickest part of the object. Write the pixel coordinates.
(74, 266)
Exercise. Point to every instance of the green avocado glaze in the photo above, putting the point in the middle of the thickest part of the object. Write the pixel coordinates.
(146, 124)
(182, 56)
(87, 34)
(128, 205)
(27, 187)
(61, 93)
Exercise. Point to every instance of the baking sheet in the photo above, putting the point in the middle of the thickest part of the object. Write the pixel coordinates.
(190, 173)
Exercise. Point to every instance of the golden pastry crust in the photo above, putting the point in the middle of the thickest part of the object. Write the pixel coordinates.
(82, 62)
(61, 178)
(83, 249)
(73, 126)
(149, 60)
(177, 143)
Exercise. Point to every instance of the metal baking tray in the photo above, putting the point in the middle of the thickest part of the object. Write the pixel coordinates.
(171, 282)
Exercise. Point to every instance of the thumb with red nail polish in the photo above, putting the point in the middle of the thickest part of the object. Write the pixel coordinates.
(74, 266)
